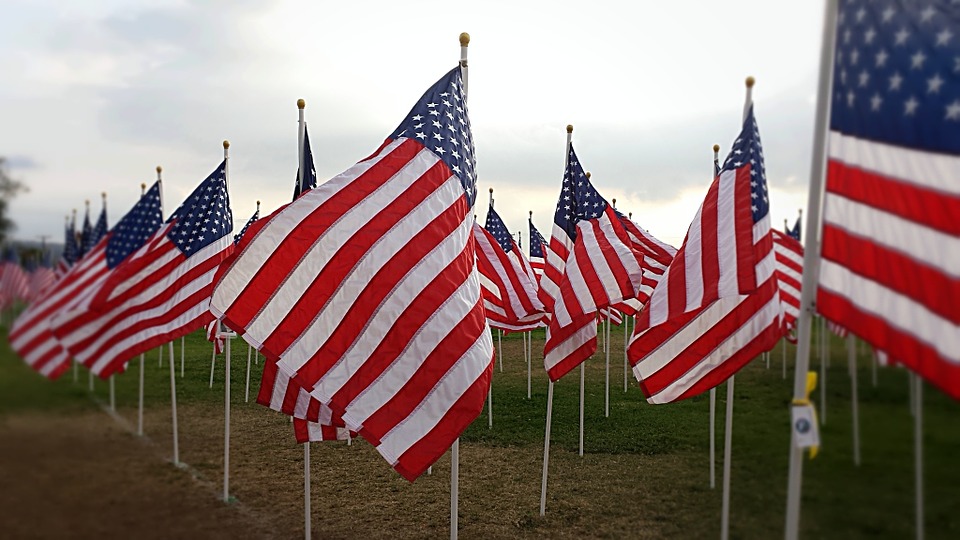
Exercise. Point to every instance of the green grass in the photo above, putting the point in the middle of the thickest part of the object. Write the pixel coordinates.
(840, 500)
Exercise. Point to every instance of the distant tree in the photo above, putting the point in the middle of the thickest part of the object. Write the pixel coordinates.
(9, 188)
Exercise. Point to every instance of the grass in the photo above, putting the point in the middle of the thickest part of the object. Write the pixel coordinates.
(645, 468)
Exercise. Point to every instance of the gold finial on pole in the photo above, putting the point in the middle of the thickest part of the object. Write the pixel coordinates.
(301, 104)
(569, 128)
(588, 174)
(750, 82)
(159, 169)
(143, 185)
(716, 148)
(103, 195)
(226, 144)
(531, 214)
(464, 39)
(614, 202)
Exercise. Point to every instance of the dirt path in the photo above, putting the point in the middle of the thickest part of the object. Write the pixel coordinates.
(84, 476)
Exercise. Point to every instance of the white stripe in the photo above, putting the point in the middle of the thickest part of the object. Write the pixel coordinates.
(728, 284)
(693, 263)
(566, 347)
(403, 293)
(928, 170)
(154, 243)
(784, 252)
(734, 342)
(929, 247)
(899, 311)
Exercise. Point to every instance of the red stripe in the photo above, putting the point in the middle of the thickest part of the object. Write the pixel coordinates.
(709, 245)
(747, 257)
(935, 209)
(428, 449)
(297, 242)
(557, 334)
(937, 291)
(906, 348)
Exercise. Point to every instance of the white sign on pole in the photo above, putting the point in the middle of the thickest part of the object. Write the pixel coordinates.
(805, 432)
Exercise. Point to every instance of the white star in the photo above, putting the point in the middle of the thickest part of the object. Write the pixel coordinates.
(956, 65)
(854, 56)
(431, 105)
(875, 102)
(869, 35)
(910, 106)
(888, 14)
(421, 136)
(846, 36)
(934, 83)
(882, 58)
(927, 14)
(944, 37)
(417, 117)
(916, 61)
(850, 97)
(901, 36)
(953, 110)
(861, 13)
(895, 81)
(864, 78)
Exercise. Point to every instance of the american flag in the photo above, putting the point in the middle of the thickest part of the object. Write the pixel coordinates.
(509, 284)
(363, 293)
(159, 293)
(794, 232)
(14, 283)
(32, 337)
(86, 234)
(309, 171)
(789, 272)
(251, 221)
(589, 266)
(891, 239)
(537, 247)
(42, 277)
(717, 305)
(70, 250)
(656, 257)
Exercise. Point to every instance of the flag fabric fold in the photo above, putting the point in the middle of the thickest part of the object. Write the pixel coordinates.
(363, 293)
(789, 271)
(716, 306)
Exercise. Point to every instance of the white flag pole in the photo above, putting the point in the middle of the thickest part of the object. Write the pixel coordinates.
(811, 260)
(626, 340)
(713, 391)
(606, 403)
(500, 347)
(728, 427)
(183, 353)
(160, 357)
(581, 407)
(213, 359)
(306, 490)
(852, 364)
(918, 453)
(527, 339)
(246, 393)
(490, 405)
(783, 350)
(228, 337)
(140, 401)
(301, 130)
(546, 431)
(113, 397)
(173, 408)
(824, 356)
(873, 374)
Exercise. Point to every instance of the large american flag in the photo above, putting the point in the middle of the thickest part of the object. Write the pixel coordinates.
(537, 247)
(32, 337)
(890, 269)
(590, 265)
(161, 291)
(716, 306)
(509, 284)
(789, 271)
(363, 293)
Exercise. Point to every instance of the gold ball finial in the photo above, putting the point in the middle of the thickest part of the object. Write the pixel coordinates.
(750, 82)
(258, 203)
(569, 128)
(87, 202)
(226, 144)
(491, 191)
(614, 201)
(531, 213)
(143, 185)
(159, 169)
(464, 39)
(716, 148)
(588, 174)
(301, 104)
(103, 194)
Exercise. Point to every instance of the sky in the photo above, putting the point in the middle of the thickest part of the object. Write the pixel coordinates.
(95, 95)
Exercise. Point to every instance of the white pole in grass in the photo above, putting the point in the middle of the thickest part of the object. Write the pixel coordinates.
(918, 453)
(528, 352)
(500, 347)
(713, 391)
(581, 407)
(811, 262)
(160, 357)
(454, 488)
(213, 359)
(113, 397)
(873, 368)
(75, 371)
(307, 516)
(306, 490)
(823, 373)
(490, 405)
(173, 408)
(546, 449)
(626, 367)
(183, 352)
(606, 403)
(246, 393)
(140, 401)
(228, 337)
(90, 380)
(728, 428)
(783, 349)
(854, 397)
(766, 355)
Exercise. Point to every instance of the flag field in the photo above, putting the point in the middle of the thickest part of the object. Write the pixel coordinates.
(644, 473)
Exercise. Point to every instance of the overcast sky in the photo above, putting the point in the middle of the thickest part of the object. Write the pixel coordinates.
(95, 95)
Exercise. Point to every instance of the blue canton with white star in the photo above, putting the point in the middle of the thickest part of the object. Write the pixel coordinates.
(578, 198)
(748, 150)
(439, 121)
(204, 217)
(254, 217)
(133, 230)
(536, 241)
(897, 73)
(310, 171)
(498, 230)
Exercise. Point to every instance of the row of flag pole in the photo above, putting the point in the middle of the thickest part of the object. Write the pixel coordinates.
(371, 295)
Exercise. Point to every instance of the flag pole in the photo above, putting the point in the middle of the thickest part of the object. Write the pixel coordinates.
(582, 368)
(811, 261)
(606, 405)
(213, 359)
(918, 452)
(227, 336)
(143, 190)
(173, 403)
(301, 129)
(728, 425)
(528, 342)
(546, 431)
(852, 364)
(183, 352)
(499, 344)
(713, 391)
(824, 356)
(113, 396)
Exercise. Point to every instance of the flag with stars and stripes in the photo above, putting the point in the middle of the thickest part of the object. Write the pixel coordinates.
(42, 277)
(590, 265)
(789, 259)
(537, 246)
(86, 234)
(309, 170)
(794, 232)
(716, 306)
(508, 282)
(890, 266)
(656, 256)
(159, 293)
(70, 252)
(14, 282)
(363, 293)
(32, 336)
(251, 221)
